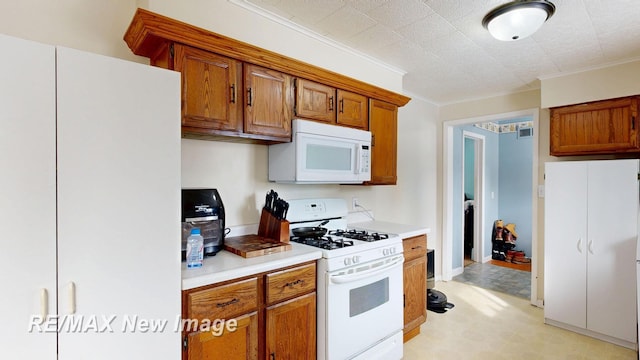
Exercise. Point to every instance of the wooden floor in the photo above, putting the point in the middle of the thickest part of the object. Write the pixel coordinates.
(510, 265)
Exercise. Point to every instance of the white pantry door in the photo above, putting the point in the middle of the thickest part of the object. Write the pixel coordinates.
(28, 196)
(565, 242)
(118, 205)
(613, 233)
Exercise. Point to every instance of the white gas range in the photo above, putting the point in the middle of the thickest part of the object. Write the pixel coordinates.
(360, 295)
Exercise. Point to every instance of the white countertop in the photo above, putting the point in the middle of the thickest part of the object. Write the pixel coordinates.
(403, 230)
(226, 265)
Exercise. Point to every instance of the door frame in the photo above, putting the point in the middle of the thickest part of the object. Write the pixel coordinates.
(447, 191)
(478, 189)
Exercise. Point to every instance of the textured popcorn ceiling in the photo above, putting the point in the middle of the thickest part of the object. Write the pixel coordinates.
(449, 57)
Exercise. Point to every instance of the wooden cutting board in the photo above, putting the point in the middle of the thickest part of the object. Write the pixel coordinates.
(253, 245)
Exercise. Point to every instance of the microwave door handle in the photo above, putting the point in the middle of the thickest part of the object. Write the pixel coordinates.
(358, 159)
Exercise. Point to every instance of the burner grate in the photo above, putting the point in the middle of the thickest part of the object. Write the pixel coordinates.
(324, 242)
(361, 235)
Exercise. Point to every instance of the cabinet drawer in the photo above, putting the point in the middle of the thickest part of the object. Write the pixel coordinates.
(414, 247)
(289, 283)
(224, 301)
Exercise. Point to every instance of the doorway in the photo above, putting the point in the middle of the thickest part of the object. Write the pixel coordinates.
(473, 195)
(451, 208)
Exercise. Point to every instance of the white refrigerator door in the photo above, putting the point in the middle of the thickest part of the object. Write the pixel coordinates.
(28, 201)
(118, 206)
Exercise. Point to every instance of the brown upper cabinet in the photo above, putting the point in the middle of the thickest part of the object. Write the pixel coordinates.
(224, 99)
(319, 102)
(269, 103)
(210, 91)
(600, 127)
(353, 110)
(213, 94)
(383, 124)
(315, 101)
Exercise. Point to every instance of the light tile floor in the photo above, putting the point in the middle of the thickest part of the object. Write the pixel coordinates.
(486, 324)
(492, 277)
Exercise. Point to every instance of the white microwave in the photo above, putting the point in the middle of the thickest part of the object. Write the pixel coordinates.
(321, 154)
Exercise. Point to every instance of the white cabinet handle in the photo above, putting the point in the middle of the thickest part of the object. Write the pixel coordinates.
(72, 297)
(579, 245)
(591, 246)
(44, 304)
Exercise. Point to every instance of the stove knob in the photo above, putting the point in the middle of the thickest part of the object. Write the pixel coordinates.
(392, 251)
(385, 252)
(347, 261)
(356, 259)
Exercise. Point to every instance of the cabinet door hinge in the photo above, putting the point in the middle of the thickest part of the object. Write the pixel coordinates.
(171, 51)
(639, 176)
(185, 343)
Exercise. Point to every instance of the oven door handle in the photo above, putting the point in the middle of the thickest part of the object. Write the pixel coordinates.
(343, 279)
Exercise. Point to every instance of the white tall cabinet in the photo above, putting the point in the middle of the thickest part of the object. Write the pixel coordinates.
(591, 232)
(90, 204)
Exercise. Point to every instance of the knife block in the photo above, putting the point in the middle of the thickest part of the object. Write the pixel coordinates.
(273, 228)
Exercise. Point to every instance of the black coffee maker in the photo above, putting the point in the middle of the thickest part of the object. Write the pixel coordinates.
(203, 209)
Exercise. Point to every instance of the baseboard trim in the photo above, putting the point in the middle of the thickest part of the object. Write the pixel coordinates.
(593, 334)
(457, 271)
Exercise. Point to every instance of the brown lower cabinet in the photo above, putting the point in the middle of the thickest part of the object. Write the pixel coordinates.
(240, 344)
(289, 331)
(415, 284)
(272, 316)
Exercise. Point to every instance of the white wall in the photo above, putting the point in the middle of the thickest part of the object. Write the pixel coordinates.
(606, 83)
(95, 26)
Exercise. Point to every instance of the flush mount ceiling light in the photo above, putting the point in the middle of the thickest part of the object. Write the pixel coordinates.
(518, 19)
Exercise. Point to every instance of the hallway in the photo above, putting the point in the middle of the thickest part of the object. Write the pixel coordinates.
(504, 277)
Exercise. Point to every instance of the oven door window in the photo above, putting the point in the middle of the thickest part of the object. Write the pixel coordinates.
(368, 297)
